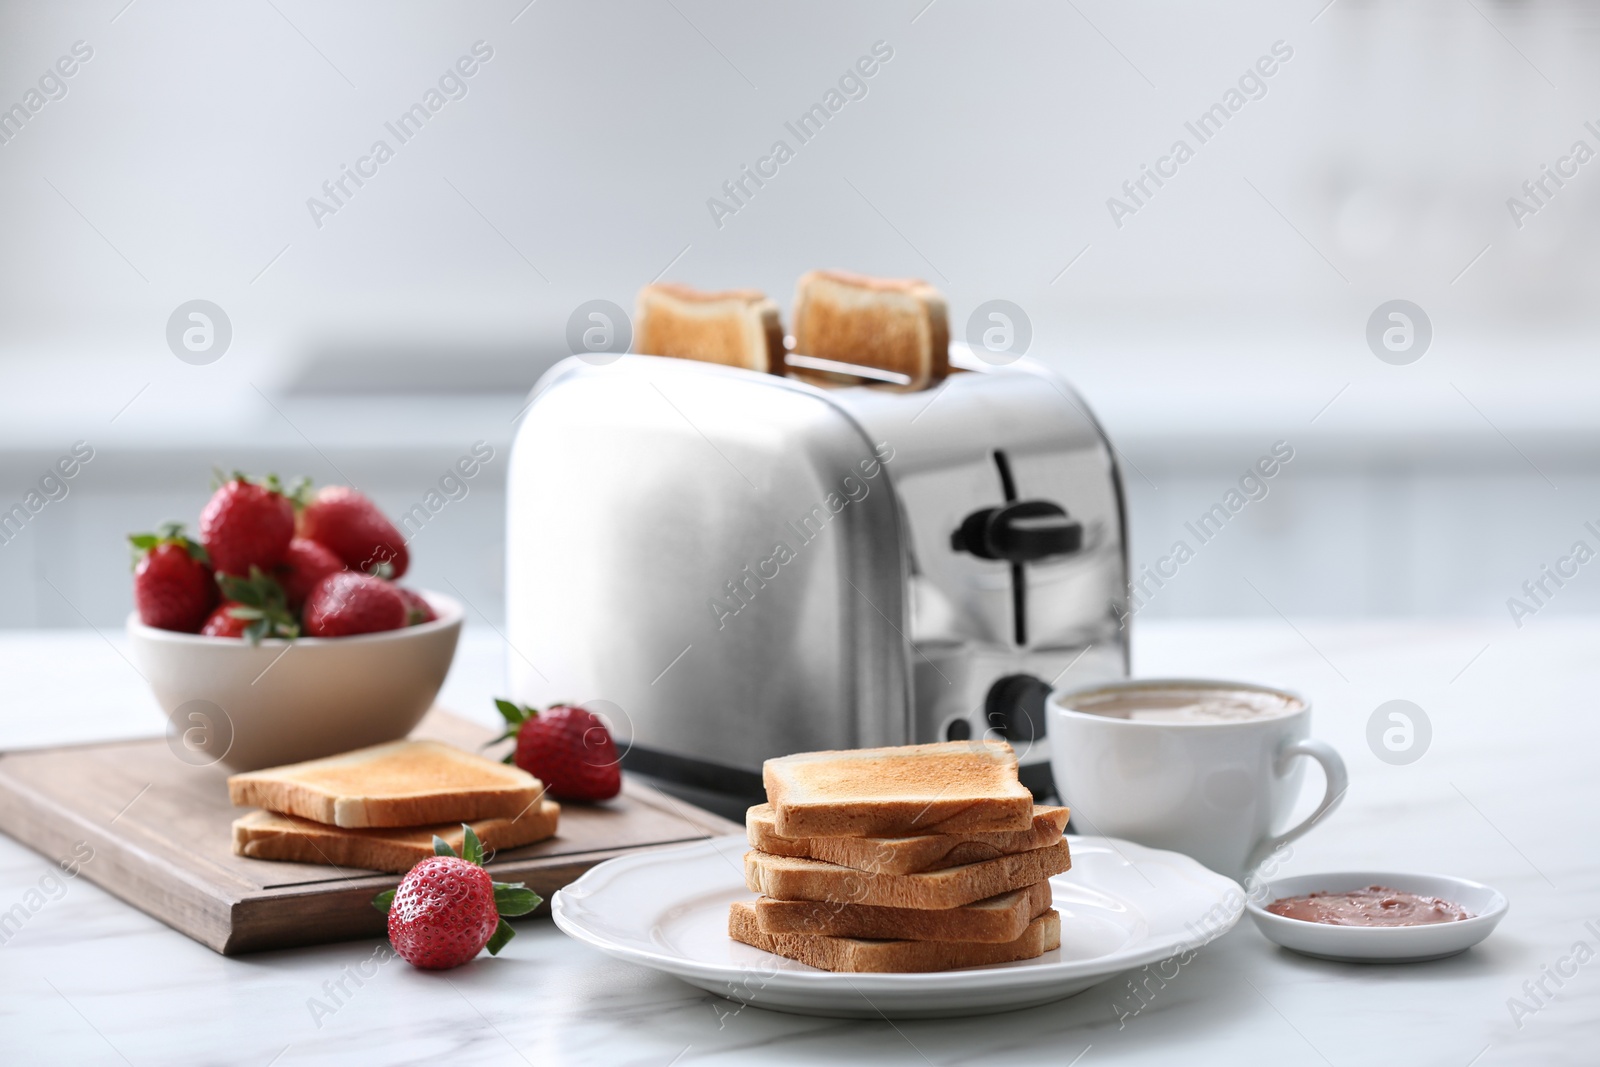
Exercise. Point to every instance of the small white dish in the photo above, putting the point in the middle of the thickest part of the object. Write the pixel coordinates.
(1381, 944)
(253, 706)
(1122, 906)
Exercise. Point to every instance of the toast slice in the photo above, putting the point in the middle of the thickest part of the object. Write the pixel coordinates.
(905, 855)
(857, 955)
(738, 328)
(402, 783)
(952, 787)
(994, 921)
(265, 835)
(793, 878)
(897, 325)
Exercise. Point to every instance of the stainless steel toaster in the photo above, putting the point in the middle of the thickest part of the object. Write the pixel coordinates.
(733, 566)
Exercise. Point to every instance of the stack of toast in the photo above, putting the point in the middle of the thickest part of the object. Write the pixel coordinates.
(917, 858)
(848, 329)
(380, 808)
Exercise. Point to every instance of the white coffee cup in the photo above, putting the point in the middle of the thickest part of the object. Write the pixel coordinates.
(1211, 788)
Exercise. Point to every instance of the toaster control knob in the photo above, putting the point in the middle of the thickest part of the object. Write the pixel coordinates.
(1022, 532)
(1015, 707)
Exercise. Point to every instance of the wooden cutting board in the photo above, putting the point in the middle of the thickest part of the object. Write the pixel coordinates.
(162, 840)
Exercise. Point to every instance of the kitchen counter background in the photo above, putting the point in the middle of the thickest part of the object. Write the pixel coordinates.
(1401, 499)
(1506, 794)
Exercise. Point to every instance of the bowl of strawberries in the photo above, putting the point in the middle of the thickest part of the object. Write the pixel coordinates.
(281, 633)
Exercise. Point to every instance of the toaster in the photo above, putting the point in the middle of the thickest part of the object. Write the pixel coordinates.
(730, 566)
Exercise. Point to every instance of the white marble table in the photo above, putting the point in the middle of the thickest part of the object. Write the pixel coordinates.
(1508, 793)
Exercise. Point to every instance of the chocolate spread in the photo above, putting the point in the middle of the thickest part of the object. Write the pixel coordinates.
(1373, 906)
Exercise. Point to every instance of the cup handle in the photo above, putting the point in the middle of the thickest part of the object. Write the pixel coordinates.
(1338, 785)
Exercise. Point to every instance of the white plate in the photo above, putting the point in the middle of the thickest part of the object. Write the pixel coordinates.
(1122, 906)
(1382, 944)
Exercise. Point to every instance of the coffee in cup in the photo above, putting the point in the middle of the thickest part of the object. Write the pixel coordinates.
(1206, 768)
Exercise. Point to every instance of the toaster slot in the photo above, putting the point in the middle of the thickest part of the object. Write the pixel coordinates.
(1019, 532)
(1019, 581)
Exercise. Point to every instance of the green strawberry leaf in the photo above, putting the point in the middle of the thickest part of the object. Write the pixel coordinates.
(441, 847)
(384, 901)
(261, 598)
(509, 757)
(299, 492)
(514, 898)
(502, 934)
(510, 712)
(168, 533)
(471, 847)
(507, 736)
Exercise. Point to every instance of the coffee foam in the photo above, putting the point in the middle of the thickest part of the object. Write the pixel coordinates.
(1187, 704)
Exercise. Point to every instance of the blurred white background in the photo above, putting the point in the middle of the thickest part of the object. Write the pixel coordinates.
(1228, 313)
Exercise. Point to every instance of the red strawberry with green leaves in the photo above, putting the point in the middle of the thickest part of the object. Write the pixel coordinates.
(304, 565)
(224, 623)
(257, 605)
(566, 747)
(172, 586)
(347, 603)
(343, 519)
(447, 909)
(247, 524)
(418, 610)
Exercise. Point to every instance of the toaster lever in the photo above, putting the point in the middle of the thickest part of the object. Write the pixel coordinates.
(1022, 532)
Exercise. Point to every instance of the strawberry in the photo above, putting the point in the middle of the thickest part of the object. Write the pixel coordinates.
(304, 565)
(345, 603)
(418, 610)
(172, 586)
(257, 604)
(352, 526)
(247, 524)
(567, 747)
(223, 623)
(447, 909)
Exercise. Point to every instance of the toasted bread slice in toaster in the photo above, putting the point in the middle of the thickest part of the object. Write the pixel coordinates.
(951, 787)
(896, 325)
(995, 920)
(857, 955)
(905, 855)
(738, 328)
(793, 878)
(266, 835)
(402, 783)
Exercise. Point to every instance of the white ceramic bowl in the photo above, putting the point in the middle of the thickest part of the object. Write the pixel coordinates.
(284, 701)
(1381, 944)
